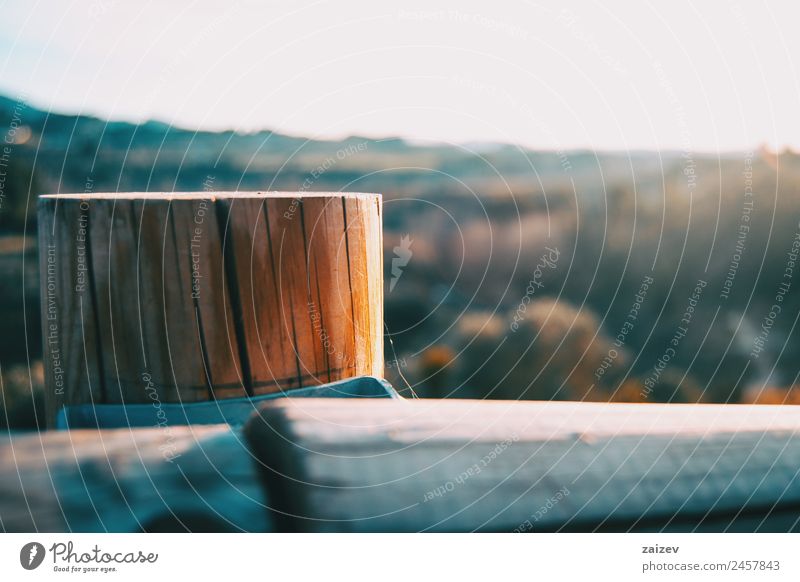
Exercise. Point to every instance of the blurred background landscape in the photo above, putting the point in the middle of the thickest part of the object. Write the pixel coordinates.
(636, 276)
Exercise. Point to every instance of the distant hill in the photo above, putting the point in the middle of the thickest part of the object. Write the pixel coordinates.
(73, 153)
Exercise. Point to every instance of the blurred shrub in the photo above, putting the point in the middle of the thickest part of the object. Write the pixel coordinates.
(22, 396)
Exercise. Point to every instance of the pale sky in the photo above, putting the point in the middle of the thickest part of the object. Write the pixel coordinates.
(704, 76)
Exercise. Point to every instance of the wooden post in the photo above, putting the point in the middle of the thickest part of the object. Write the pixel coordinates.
(199, 296)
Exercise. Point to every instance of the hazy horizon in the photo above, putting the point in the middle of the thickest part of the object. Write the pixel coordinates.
(409, 141)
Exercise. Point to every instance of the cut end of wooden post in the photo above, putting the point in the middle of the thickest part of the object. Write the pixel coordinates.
(205, 195)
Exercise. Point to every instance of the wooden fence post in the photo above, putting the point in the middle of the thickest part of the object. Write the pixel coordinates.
(198, 296)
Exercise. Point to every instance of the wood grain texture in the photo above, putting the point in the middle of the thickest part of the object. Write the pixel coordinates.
(72, 355)
(363, 224)
(180, 479)
(514, 466)
(192, 297)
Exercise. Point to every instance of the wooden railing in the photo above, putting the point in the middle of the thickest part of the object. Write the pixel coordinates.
(157, 299)
(389, 465)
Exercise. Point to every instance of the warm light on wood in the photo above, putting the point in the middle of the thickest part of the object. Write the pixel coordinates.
(187, 297)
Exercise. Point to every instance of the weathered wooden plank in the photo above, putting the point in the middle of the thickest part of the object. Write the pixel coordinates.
(327, 267)
(71, 346)
(175, 365)
(158, 479)
(232, 411)
(286, 227)
(197, 233)
(271, 358)
(363, 226)
(372, 213)
(513, 466)
(116, 285)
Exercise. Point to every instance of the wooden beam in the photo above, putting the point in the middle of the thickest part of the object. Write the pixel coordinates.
(158, 479)
(231, 411)
(527, 466)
